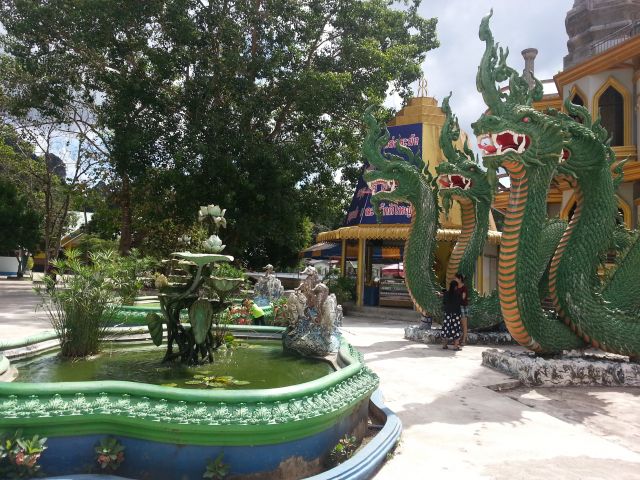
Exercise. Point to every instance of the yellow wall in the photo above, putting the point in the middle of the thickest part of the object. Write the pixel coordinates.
(425, 110)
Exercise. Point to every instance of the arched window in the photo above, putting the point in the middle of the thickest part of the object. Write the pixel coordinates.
(577, 99)
(623, 215)
(611, 107)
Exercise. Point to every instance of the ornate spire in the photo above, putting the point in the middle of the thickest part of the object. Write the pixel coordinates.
(422, 87)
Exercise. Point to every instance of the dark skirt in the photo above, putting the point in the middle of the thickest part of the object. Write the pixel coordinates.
(451, 326)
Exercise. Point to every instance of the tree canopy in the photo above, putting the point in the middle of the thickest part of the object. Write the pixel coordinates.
(251, 104)
(19, 224)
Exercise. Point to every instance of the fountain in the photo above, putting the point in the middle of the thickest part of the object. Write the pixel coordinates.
(268, 288)
(281, 430)
(314, 317)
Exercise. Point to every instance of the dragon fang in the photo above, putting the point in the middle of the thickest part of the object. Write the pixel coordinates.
(503, 142)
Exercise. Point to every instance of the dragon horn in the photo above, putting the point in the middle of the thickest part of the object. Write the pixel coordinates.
(619, 173)
(578, 111)
(413, 158)
(486, 77)
(374, 140)
(467, 150)
(450, 132)
(536, 92)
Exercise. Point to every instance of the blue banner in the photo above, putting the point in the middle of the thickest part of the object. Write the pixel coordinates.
(360, 211)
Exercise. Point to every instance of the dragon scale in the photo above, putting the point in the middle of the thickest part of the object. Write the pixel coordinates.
(463, 249)
(574, 284)
(528, 144)
(510, 290)
(419, 256)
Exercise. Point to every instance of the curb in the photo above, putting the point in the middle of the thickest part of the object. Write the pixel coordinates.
(370, 458)
(363, 465)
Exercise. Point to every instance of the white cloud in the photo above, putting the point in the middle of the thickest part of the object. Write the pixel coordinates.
(517, 24)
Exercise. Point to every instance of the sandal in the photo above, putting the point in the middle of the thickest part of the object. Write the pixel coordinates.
(457, 349)
(445, 347)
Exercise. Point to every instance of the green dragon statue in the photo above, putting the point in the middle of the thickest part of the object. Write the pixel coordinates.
(574, 284)
(402, 181)
(528, 145)
(461, 179)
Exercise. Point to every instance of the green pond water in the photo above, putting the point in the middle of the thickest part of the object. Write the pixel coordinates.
(262, 364)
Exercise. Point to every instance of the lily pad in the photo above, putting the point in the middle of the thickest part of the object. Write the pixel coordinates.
(213, 381)
(201, 259)
(200, 317)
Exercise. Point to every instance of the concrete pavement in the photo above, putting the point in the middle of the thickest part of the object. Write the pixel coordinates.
(454, 425)
(19, 315)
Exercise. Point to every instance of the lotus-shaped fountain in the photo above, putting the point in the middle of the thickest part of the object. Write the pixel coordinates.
(213, 244)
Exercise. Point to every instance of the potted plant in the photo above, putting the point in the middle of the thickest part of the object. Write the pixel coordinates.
(344, 289)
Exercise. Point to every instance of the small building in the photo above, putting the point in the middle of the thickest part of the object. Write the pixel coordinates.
(367, 247)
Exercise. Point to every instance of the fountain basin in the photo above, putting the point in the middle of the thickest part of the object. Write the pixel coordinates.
(137, 314)
(269, 433)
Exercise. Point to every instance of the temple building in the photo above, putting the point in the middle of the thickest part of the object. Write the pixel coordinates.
(602, 73)
(362, 241)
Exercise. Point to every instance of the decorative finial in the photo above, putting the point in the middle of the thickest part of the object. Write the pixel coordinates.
(422, 87)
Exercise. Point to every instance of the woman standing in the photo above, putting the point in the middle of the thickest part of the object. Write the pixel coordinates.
(451, 326)
(464, 306)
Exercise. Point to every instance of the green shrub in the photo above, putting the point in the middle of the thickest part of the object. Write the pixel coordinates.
(343, 287)
(127, 275)
(279, 314)
(226, 270)
(82, 303)
(19, 455)
(109, 454)
(343, 450)
(92, 244)
(216, 469)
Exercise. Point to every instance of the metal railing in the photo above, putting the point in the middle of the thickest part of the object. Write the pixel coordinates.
(615, 38)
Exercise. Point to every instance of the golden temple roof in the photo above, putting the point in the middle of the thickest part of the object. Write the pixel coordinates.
(393, 232)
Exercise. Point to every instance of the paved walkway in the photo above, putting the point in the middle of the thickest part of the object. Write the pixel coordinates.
(454, 426)
(18, 314)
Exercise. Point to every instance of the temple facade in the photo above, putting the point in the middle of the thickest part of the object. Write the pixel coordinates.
(602, 73)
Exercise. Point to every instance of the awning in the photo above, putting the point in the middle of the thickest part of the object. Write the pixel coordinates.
(322, 250)
(395, 232)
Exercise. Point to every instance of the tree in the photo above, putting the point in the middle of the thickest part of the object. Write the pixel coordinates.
(251, 104)
(19, 225)
(272, 100)
(33, 165)
(101, 63)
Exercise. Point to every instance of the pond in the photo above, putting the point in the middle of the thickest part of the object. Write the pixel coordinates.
(254, 364)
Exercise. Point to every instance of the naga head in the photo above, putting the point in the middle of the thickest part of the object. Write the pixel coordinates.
(459, 177)
(393, 179)
(511, 131)
(586, 142)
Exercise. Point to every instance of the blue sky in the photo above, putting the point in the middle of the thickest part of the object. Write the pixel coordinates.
(518, 24)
